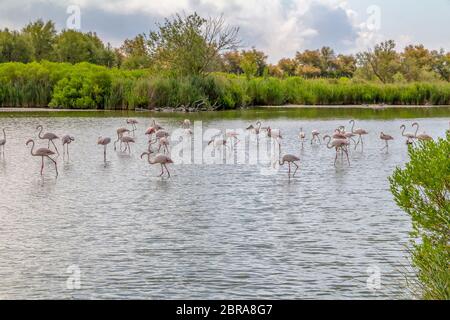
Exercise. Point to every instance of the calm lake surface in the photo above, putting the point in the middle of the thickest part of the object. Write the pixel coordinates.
(211, 231)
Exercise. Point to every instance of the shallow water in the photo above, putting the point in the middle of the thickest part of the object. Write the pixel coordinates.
(210, 231)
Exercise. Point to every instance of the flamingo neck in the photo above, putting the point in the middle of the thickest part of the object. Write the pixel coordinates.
(353, 125)
(417, 129)
(32, 148)
(40, 132)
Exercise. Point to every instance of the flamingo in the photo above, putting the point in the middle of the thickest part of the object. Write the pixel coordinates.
(127, 140)
(186, 124)
(3, 142)
(232, 136)
(133, 123)
(338, 134)
(120, 132)
(42, 152)
(302, 136)
(315, 135)
(338, 144)
(47, 136)
(423, 136)
(386, 138)
(410, 136)
(360, 132)
(348, 135)
(163, 142)
(255, 129)
(162, 159)
(290, 158)
(66, 140)
(156, 125)
(104, 142)
(150, 131)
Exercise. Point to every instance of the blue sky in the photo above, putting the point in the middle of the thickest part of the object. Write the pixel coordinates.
(279, 27)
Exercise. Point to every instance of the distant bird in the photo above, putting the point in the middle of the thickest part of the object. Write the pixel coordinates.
(104, 142)
(149, 132)
(315, 136)
(360, 132)
(186, 124)
(162, 159)
(161, 133)
(156, 125)
(3, 142)
(127, 140)
(302, 136)
(409, 136)
(42, 152)
(120, 132)
(233, 137)
(386, 138)
(133, 123)
(422, 136)
(48, 136)
(290, 158)
(338, 144)
(66, 140)
(218, 142)
(274, 133)
(255, 129)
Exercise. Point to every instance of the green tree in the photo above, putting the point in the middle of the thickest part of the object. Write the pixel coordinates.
(253, 62)
(190, 45)
(287, 66)
(415, 61)
(42, 38)
(422, 189)
(441, 64)
(382, 61)
(14, 47)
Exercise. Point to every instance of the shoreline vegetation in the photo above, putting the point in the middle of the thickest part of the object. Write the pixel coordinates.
(190, 63)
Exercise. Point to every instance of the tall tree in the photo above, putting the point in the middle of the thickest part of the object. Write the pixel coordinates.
(191, 44)
(382, 61)
(14, 47)
(441, 64)
(42, 38)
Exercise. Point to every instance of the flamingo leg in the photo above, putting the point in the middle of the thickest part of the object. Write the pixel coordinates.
(295, 169)
(346, 153)
(162, 170)
(168, 173)
(289, 171)
(68, 155)
(104, 154)
(335, 159)
(55, 147)
(56, 165)
(42, 165)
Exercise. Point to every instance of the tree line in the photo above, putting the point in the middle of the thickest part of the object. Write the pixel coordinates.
(192, 45)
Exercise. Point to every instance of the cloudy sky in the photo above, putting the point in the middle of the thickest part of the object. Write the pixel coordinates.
(279, 27)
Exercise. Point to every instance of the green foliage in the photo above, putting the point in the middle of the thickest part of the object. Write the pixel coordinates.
(422, 189)
(41, 37)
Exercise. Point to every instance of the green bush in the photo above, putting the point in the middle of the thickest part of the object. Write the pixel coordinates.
(422, 189)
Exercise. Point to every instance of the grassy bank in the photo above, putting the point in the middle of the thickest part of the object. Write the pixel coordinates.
(88, 86)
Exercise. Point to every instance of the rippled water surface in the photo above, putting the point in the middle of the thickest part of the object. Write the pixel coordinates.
(212, 231)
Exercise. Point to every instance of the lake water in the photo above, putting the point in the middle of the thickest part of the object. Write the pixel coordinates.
(211, 231)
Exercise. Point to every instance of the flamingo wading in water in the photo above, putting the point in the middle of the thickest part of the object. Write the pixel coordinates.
(290, 158)
(386, 138)
(120, 133)
(66, 140)
(338, 144)
(42, 152)
(104, 142)
(360, 132)
(47, 136)
(422, 136)
(409, 136)
(162, 159)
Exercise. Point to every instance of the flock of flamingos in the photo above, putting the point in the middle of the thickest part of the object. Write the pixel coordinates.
(340, 140)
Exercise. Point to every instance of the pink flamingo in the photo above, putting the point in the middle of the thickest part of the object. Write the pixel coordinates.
(315, 136)
(133, 123)
(255, 129)
(3, 142)
(156, 125)
(47, 136)
(104, 142)
(163, 143)
(302, 136)
(42, 152)
(423, 136)
(409, 136)
(290, 159)
(162, 159)
(338, 144)
(120, 132)
(127, 140)
(360, 132)
(149, 132)
(386, 138)
(66, 140)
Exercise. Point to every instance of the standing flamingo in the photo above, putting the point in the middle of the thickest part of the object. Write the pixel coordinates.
(410, 136)
(302, 136)
(42, 152)
(127, 140)
(255, 129)
(149, 132)
(315, 136)
(104, 142)
(162, 159)
(156, 125)
(338, 144)
(47, 136)
(133, 123)
(360, 132)
(233, 137)
(66, 140)
(290, 158)
(120, 132)
(3, 142)
(163, 143)
(386, 138)
(186, 124)
(422, 136)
